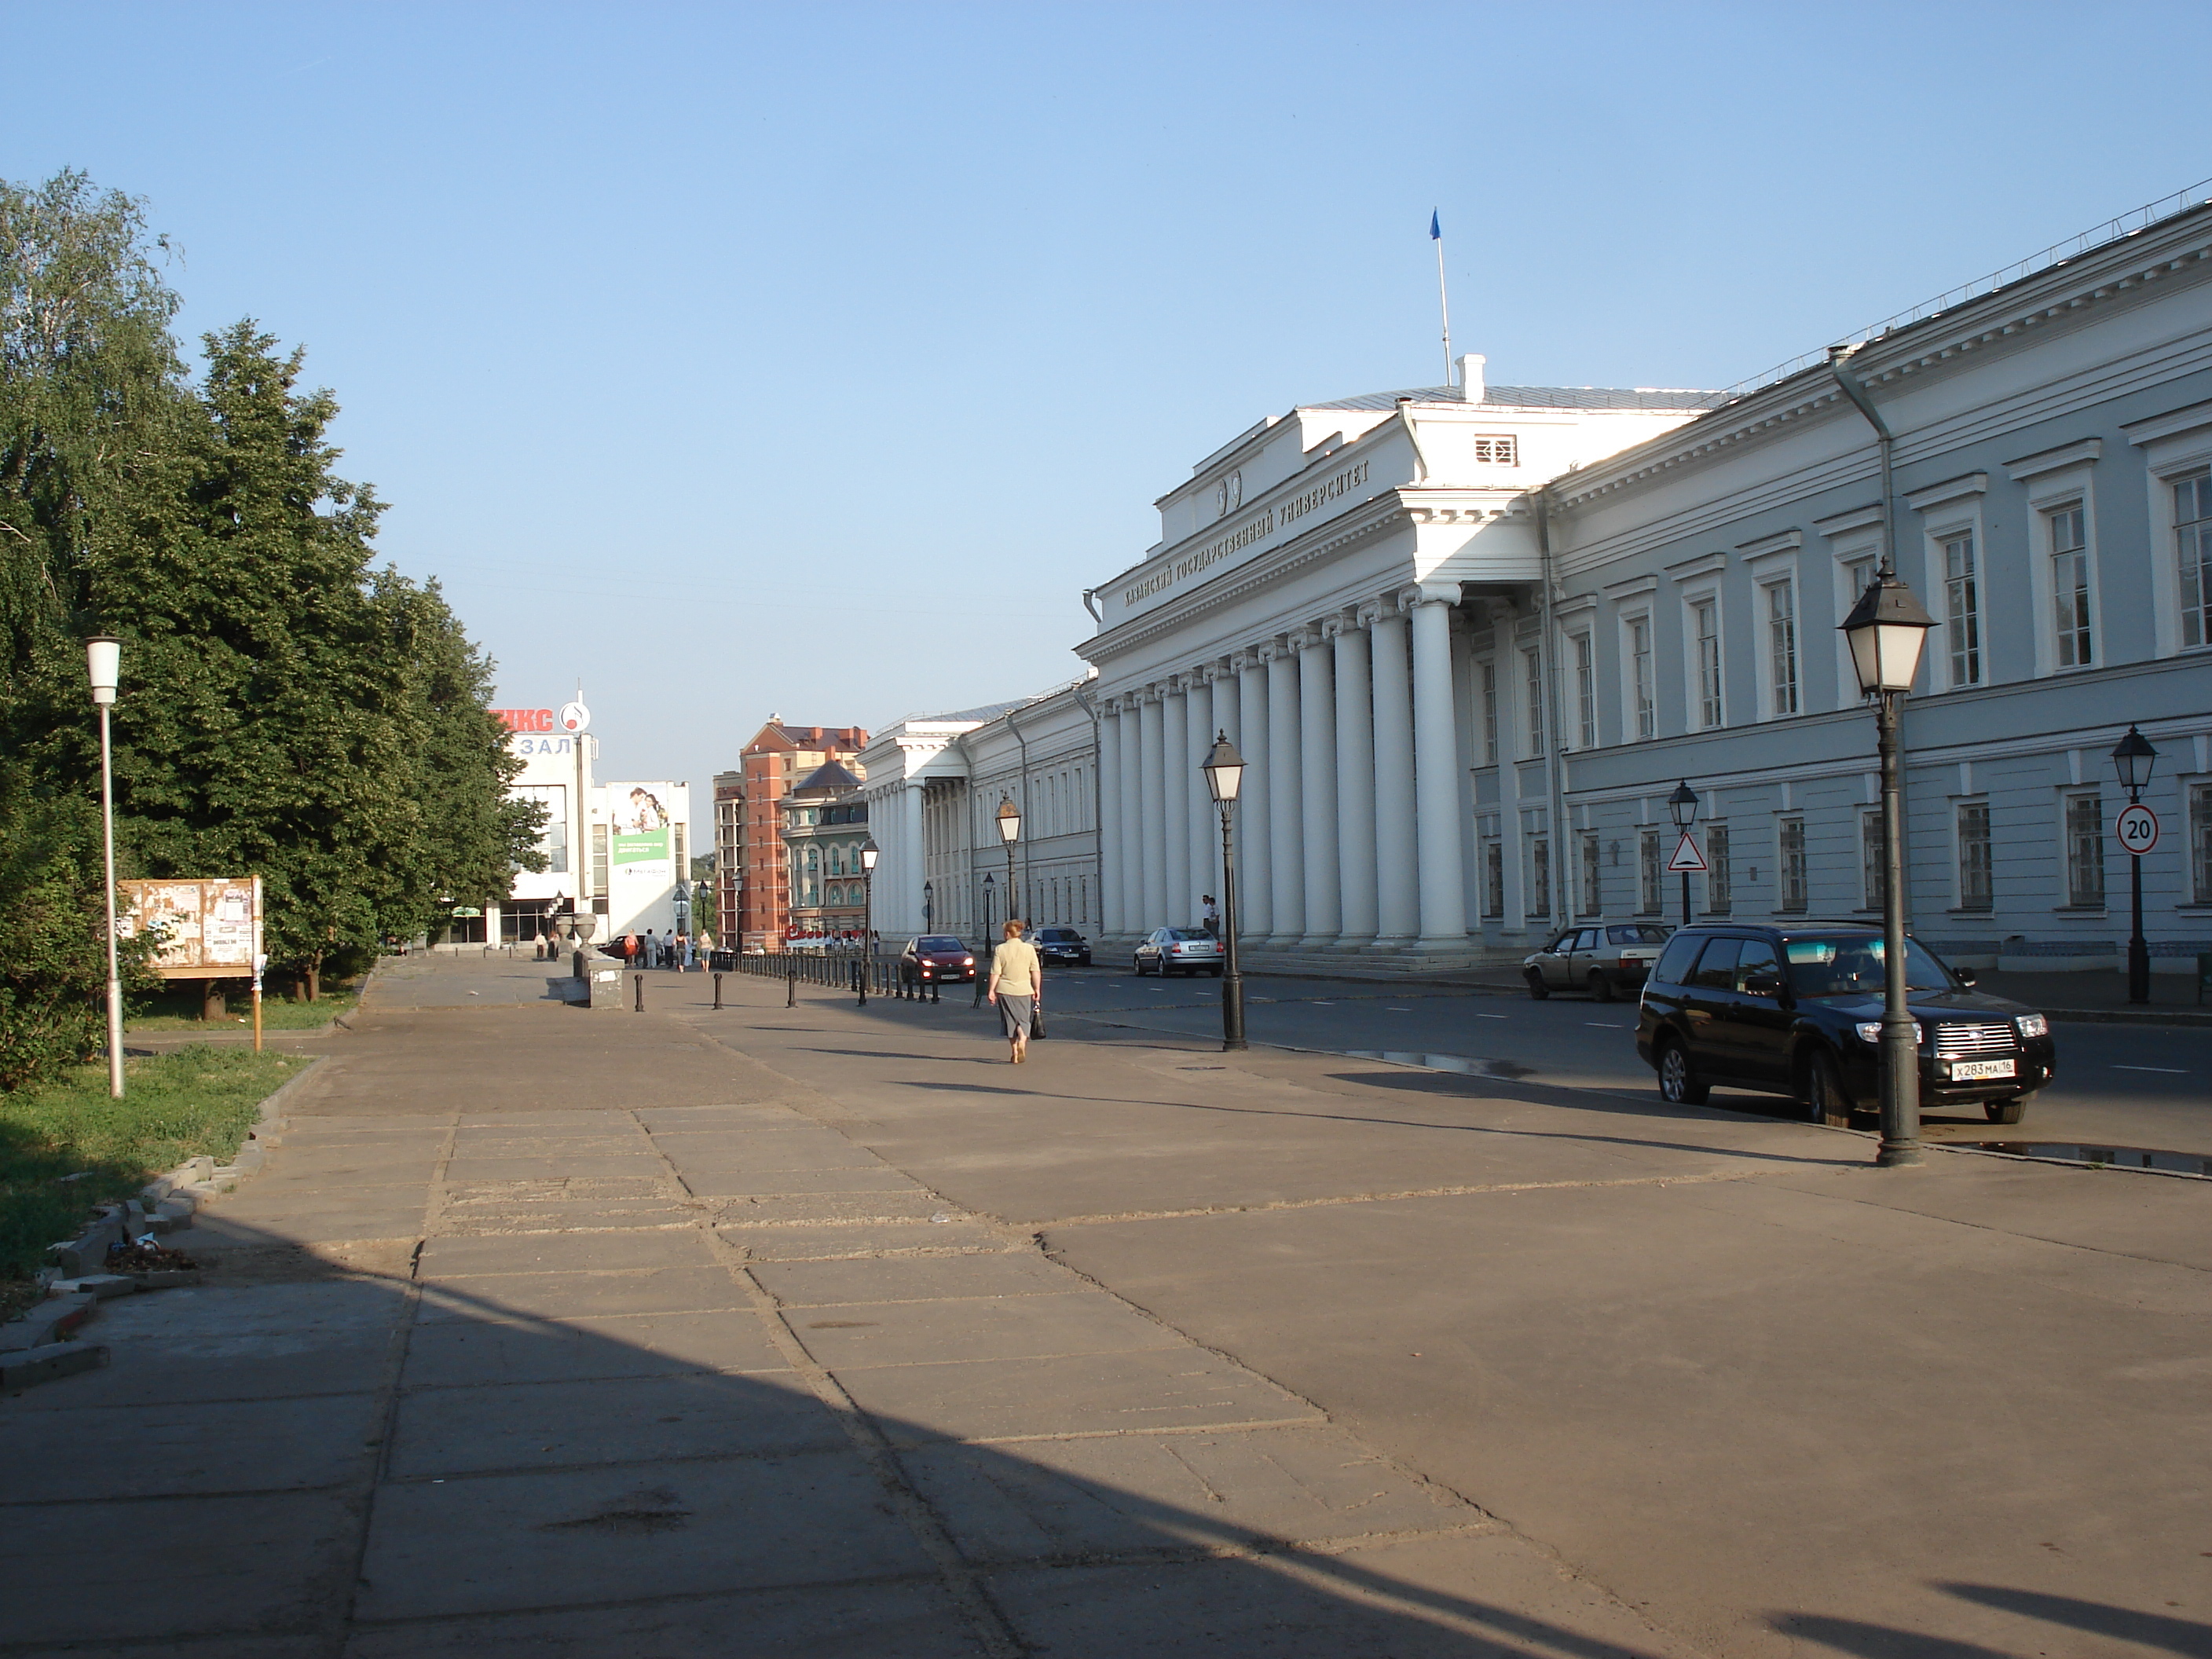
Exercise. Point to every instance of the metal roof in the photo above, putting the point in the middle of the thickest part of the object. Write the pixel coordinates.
(1504, 398)
(829, 775)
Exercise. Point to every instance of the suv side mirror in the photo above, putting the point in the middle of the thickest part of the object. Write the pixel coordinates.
(1965, 976)
(1763, 985)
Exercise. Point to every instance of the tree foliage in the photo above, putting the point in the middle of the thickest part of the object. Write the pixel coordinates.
(286, 709)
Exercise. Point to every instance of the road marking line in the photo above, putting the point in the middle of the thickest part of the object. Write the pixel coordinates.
(1492, 1016)
(1605, 1025)
(2171, 1071)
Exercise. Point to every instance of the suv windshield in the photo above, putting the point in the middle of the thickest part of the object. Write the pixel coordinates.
(1642, 932)
(939, 943)
(1851, 965)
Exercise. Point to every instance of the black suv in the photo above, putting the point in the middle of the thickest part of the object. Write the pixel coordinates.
(1796, 1011)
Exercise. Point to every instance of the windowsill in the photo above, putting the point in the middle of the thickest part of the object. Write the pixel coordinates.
(1972, 910)
(2081, 910)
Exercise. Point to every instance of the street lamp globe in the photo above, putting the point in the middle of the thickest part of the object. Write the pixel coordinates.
(1887, 630)
(1683, 804)
(102, 662)
(2133, 759)
(1225, 770)
(1010, 820)
(869, 854)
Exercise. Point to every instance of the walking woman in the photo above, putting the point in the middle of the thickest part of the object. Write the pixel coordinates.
(1016, 987)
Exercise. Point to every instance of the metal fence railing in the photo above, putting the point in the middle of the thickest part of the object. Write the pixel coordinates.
(864, 975)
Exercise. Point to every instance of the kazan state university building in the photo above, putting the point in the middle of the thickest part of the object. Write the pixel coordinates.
(1470, 638)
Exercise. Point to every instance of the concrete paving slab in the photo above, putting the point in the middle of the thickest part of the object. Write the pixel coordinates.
(912, 1620)
(753, 1116)
(742, 1208)
(153, 1372)
(470, 1352)
(628, 1419)
(168, 1449)
(581, 1295)
(517, 1542)
(1174, 1388)
(488, 1221)
(764, 1241)
(221, 1569)
(552, 1120)
(1480, 1597)
(462, 1258)
(914, 1279)
(779, 1149)
(788, 1183)
(1013, 1327)
(478, 1170)
(1124, 1494)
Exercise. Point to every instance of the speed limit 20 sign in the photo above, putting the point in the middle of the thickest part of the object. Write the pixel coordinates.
(2137, 828)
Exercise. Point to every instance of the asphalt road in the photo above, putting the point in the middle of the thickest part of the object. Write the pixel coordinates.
(2118, 1085)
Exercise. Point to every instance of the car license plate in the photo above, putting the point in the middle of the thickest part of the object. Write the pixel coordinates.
(1966, 1071)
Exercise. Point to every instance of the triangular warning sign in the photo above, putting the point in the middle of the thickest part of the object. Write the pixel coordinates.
(1687, 859)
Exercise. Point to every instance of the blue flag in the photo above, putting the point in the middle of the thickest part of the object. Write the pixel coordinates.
(1436, 230)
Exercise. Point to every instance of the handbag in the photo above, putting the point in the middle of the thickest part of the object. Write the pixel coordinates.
(1037, 1022)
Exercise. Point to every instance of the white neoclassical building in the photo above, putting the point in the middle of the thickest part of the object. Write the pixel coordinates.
(1312, 595)
(934, 786)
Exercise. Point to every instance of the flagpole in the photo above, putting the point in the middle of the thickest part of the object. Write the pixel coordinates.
(1444, 298)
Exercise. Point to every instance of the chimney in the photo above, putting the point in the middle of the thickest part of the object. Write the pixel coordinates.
(1470, 377)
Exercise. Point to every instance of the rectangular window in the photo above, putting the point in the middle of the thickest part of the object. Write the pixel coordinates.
(1489, 712)
(1872, 872)
(1975, 889)
(1963, 601)
(1791, 842)
(1585, 693)
(1540, 876)
(2084, 850)
(2069, 583)
(1640, 680)
(1650, 872)
(1705, 615)
(1593, 883)
(1782, 645)
(2192, 534)
(1532, 663)
(1719, 889)
(599, 859)
(2200, 841)
(1494, 878)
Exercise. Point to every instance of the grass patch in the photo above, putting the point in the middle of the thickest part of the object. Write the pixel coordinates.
(201, 1100)
(177, 1009)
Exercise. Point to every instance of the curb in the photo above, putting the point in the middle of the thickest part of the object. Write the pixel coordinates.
(2130, 1016)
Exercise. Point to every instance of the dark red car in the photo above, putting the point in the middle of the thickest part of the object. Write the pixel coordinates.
(935, 959)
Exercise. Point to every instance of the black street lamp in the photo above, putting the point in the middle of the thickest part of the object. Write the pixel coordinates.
(1682, 804)
(981, 971)
(2133, 759)
(928, 906)
(869, 854)
(1009, 831)
(1225, 776)
(1887, 630)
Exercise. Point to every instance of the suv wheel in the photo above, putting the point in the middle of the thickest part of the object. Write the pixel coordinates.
(2010, 1109)
(1678, 1080)
(1600, 986)
(1537, 988)
(1822, 1091)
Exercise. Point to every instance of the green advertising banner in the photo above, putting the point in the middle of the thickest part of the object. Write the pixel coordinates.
(644, 846)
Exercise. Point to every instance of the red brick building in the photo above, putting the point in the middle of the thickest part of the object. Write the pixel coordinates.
(754, 874)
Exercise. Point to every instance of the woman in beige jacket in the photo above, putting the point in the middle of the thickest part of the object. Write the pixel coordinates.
(1016, 987)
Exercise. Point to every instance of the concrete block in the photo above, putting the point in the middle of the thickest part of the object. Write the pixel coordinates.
(99, 1286)
(30, 1368)
(51, 1321)
(88, 1252)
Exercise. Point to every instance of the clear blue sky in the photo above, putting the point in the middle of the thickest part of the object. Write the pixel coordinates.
(813, 358)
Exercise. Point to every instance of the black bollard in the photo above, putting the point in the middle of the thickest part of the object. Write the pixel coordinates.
(791, 987)
(718, 990)
(638, 979)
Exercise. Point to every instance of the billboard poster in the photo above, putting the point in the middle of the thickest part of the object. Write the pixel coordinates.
(204, 929)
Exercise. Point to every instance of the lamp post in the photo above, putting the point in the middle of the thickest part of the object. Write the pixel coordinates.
(1682, 806)
(1887, 630)
(2133, 759)
(1224, 777)
(1009, 831)
(928, 906)
(869, 854)
(981, 971)
(103, 658)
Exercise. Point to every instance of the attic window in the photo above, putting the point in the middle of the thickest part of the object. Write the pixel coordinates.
(1498, 450)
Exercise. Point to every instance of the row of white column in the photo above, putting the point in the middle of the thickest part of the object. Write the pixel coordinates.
(1349, 830)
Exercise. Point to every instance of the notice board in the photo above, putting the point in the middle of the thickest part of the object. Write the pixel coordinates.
(204, 929)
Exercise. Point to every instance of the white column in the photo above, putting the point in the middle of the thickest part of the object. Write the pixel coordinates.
(911, 869)
(1317, 795)
(1108, 762)
(1255, 892)
(1205, 827)
(1355, 785)
(1286, 856)
(1436, 778)
(1176, 909)
(1132, 799)
(1153, 778)
(1398, 917)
